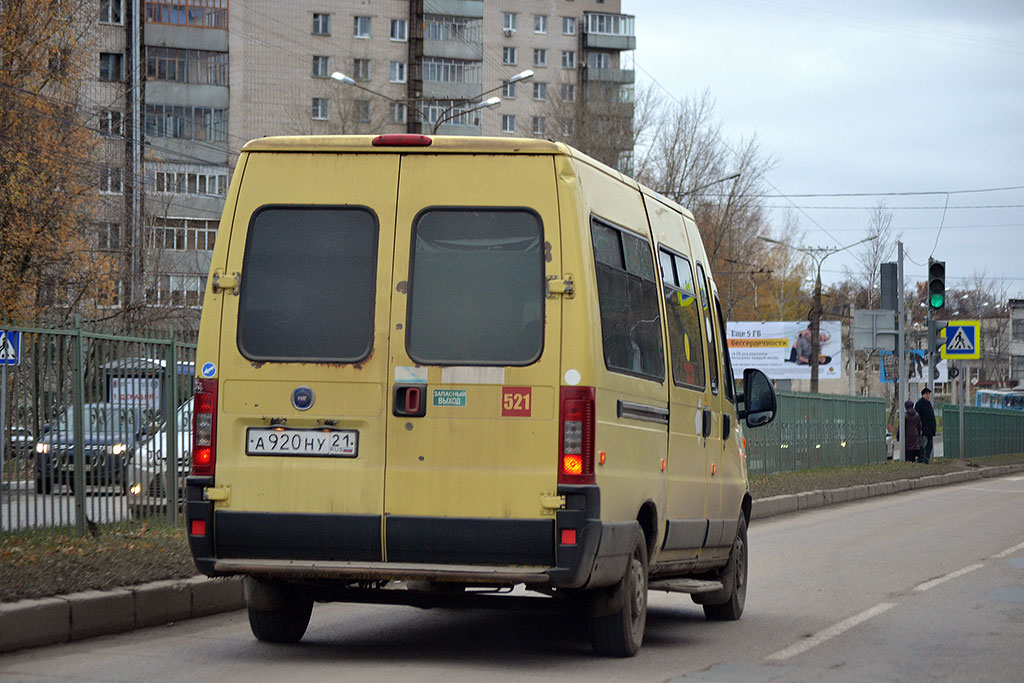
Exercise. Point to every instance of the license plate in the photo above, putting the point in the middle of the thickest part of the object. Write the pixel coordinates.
(343, 443)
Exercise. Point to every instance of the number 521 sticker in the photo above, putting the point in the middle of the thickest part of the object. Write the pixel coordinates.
(516, 401)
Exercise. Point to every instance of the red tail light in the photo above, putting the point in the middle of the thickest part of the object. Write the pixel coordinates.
(576, 440)
(401, 140)
(204, 428)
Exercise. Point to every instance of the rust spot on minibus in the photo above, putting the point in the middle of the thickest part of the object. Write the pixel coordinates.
(402, 287)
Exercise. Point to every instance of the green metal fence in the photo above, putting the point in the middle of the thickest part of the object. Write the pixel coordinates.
(95, 429)
(987, 431)
(815, 430)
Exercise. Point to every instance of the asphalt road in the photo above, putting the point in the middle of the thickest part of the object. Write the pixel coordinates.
(924, 585)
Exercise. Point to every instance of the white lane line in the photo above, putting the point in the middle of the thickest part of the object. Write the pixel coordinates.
(831, 632)
(1009, 551)
(942, 579)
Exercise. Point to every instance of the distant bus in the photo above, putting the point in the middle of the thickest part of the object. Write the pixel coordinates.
(1008, 400)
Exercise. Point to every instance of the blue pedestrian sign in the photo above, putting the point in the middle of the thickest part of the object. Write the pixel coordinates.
(10, 347)
(963, 340)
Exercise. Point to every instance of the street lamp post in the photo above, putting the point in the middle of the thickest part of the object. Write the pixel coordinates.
(450, 112)
(818, 255)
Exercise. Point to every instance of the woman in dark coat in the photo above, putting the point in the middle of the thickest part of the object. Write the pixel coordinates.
(912, 432)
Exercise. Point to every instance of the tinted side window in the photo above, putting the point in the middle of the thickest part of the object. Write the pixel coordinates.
(476, 287)
(709, 327)
(627, 294)
(308, 284)
(686, 344)
(730, 381)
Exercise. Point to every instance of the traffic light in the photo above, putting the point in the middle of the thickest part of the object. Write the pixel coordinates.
(936, 284)
(936, 335)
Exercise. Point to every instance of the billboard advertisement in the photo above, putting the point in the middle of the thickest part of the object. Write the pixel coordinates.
(782, 349)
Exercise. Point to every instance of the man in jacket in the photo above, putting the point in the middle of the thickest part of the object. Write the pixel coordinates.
(927, 413)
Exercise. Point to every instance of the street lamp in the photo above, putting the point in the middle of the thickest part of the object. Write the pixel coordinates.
(818, 254)
(705, 186)
(450, 112)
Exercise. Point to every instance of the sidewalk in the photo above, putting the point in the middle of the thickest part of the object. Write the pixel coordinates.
(32, 623)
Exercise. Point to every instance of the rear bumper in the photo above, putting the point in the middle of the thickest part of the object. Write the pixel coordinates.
(348, 548)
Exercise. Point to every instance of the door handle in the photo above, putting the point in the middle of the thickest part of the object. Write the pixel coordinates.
(706, 425)
(726, 426)
(409, 401)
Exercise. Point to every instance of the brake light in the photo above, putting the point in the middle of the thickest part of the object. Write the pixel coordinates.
(401, 140)
(204, 428)
(576, 441)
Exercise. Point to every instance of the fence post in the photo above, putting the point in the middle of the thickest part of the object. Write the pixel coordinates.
(171, 381)
(78, 370)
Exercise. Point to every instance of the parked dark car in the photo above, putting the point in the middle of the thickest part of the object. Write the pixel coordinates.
(111, 432)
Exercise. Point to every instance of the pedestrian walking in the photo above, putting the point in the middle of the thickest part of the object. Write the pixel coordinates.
(912, 432)
(924, 409)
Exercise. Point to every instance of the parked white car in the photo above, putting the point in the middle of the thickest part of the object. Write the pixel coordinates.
(147, 470)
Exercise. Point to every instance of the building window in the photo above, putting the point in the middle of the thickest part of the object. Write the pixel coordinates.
(568, 59)
(363, 111)
(202, 67)
(449, 28)
(361, 27)
(568, 92)
(508, 123)
(399, 30)
(194, 13)
(211, 182)
(510, 21)
(540, 23)
(539, 125)
(540, 91)
(508, 90)
(321, 24)
(1017, 367)
(320, 107)
(110, 12)
(111, 66)
(183, 234)
(361, 69)
(110, 180)
(599, 60)
(568, 26)
(568, 128)
(110, 124)
(108, 236)
(508, 55)
(321, 66)
(186, 123)
(540, 57)
(440, 70)
(396, 72)
(398, 113)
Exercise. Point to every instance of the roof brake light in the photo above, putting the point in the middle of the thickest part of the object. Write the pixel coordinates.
(402, 140)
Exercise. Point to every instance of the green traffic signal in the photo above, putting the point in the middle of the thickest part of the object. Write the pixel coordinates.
(936, 284)
(937, 301)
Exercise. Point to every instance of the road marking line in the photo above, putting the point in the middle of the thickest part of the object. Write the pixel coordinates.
(942, 579)
(1009, 551)
(831, 632)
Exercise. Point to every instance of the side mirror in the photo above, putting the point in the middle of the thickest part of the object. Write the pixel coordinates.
(759, 400)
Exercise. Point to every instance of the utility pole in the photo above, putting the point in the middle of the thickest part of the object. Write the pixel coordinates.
(901, 353)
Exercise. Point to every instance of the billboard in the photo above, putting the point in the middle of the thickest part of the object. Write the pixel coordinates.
(782, 349)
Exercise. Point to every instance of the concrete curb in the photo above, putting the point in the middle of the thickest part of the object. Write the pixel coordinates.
(33, 623)
(782, 505)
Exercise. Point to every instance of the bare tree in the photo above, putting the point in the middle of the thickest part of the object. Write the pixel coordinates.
(870, 257)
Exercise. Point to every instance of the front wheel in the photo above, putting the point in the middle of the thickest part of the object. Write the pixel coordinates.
(621, 633)
(727, 604)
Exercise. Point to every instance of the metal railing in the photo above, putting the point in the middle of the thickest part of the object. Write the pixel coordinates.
(815, 430)
(95, 429)
(987, 431)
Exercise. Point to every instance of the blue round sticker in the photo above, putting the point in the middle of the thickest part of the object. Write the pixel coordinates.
(209, 370)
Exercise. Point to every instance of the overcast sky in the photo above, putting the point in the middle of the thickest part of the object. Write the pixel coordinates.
(893, 96)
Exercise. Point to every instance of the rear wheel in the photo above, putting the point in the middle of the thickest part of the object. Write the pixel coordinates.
(621, 633)
(727, 604)
(278, 613)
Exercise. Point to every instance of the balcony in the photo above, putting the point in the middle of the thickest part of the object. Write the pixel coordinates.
(609, 75)
(603, 31)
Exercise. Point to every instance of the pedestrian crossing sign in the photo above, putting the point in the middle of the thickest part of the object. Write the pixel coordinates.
(10, 347)
(963, 340)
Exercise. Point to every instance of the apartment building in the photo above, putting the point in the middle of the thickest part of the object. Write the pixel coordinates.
(216, 73)
(1016, 307)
